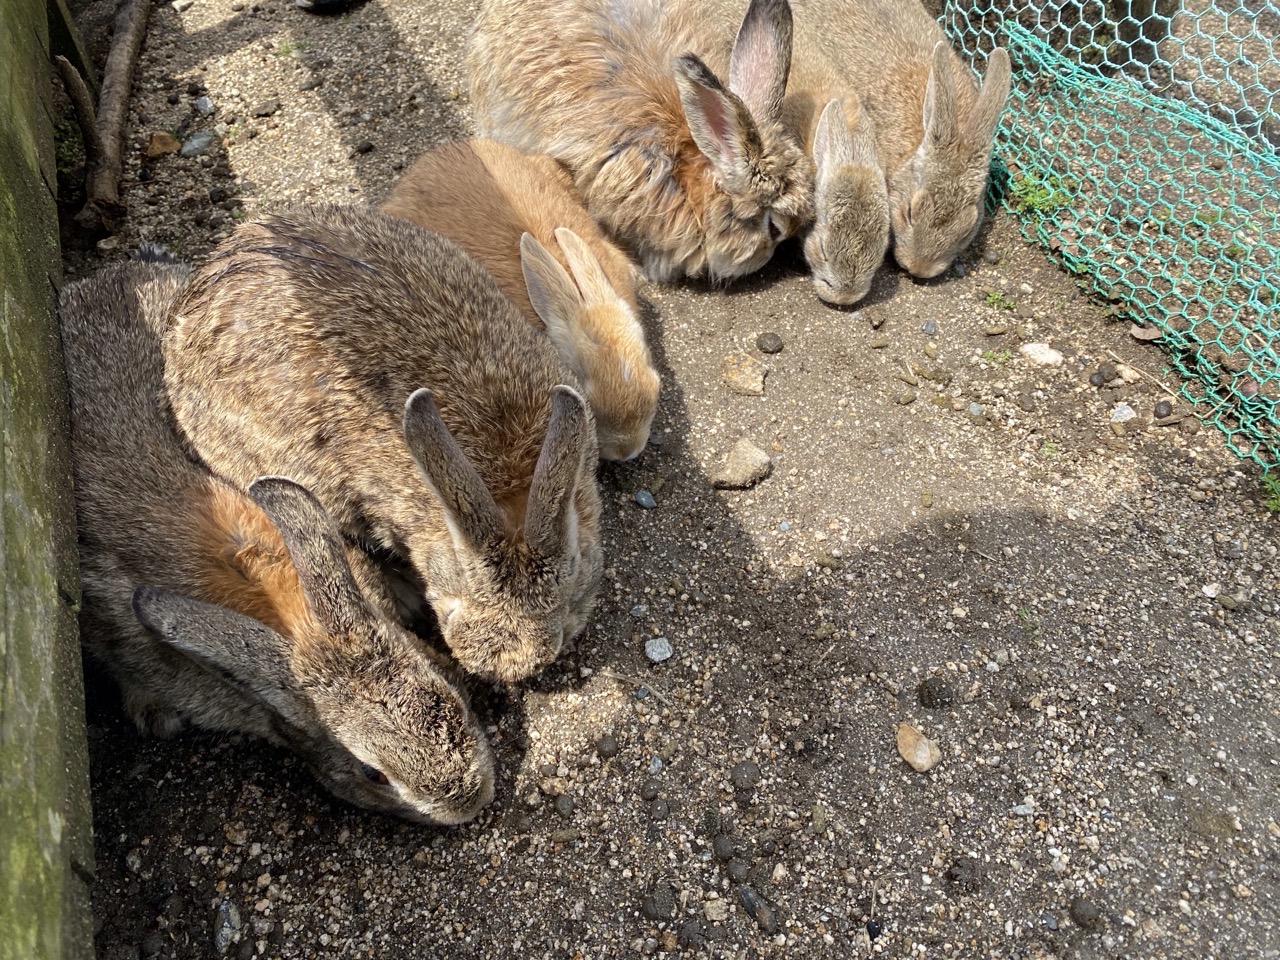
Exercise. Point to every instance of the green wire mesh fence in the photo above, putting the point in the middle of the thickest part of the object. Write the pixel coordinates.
(1140, 147)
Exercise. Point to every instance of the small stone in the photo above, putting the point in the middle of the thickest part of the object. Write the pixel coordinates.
(1190, 426)
(564, 805)
(655, 764)
(824, 630)
(1086, 913)
(723, 847)
(607, 746)
(996, 330)
(226, 926)
(976, 409)
(929, 328)
(744, 775)
(991, 256)
(935, 693)
(931, 350)
(161, 144)
(743, 467)
(737, 870)
(182, 6)
(744, 374)
(238, 6)
(1026, 403)
(198, 144)
(658, 649)
(1041, 354)
(818, 817)
(659, 810)
(758, 909)
(205, 107)
(878, 343)
(567, 835)
(660, 903)
(1163, 409)
(769, 343)
(1118, 429)
(1122, 413)
(645, 499)
(926, 498)
(1097, 380)
(649, 789)
(918, 750)
(1127, 373)
(267, 108)
(717, 911)
(907, 397)
(1024, 810)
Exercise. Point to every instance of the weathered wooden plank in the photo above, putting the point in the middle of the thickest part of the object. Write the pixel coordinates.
(46, 850)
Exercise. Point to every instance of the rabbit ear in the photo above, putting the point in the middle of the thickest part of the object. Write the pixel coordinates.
(469, 509)
(316, 547)
(555, 298)
(832, 145)
(862, 141)
(981, 128)
(249, 655)
(718, 121)
(585, 266)
(761, 58)
(940, 124)
(546, 525)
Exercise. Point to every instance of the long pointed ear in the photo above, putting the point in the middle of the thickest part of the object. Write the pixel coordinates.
(940, 122)
(981, 128)
(317, 549)
(832, 145)
(555, 298)
(247, 654)
(468, 505)
(546, 525)
(719, 122)
(585, 266)
(862, 142)
(761, 58)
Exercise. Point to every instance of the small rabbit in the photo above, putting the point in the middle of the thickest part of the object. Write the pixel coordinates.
(693, 177)
(487, 196)
(934, 127)
(252, 619)
(294, 350)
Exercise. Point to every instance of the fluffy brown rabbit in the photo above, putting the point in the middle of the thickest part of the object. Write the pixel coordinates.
(693, 176)
(294, 351)
(934, 127)
(238, 612)
(485, 196)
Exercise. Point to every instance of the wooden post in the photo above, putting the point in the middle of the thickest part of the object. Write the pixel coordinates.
(46, 848)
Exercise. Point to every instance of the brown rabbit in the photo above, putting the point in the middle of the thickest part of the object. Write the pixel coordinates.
(485, 195)
(693, 176)
(294, 350)
(934, 126)
(252, 619)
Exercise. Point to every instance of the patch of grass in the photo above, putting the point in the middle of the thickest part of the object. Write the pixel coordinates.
(1236, 251)
(998, 357)
(1030, 194)
(1208, 216)
(998, 300)
(1048, 449)
(1271, 487)
(287, 48)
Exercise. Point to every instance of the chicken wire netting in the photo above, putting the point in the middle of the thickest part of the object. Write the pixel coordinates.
(1140, 148)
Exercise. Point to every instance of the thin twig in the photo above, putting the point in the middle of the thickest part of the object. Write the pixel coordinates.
(644, 683)
(82, 104)
(1146, 376)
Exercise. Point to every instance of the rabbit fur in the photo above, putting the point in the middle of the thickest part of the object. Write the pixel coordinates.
(237, 612)
(693, 176)
(934, 126)
(379, 365)
(485, 195)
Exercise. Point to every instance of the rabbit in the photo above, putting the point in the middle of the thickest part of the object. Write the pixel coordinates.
(236, 612)
(693, 177)
(486, 196)
(934, 127)
(379, 365)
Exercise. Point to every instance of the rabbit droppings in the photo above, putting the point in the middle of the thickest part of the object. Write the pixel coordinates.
(485, 195)
(252, 619)
(693, 177)
(934, 127)
(295, 350)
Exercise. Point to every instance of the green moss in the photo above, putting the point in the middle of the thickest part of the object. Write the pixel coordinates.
(1031, 194)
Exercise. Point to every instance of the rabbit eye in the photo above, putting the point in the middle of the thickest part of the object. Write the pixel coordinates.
(374, 775)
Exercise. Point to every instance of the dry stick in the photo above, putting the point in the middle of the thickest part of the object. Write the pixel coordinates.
(82, 104)
(103, 209)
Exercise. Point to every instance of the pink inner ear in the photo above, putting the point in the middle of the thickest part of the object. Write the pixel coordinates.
(717, 115)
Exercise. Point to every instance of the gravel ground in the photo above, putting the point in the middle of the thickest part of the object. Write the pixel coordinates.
(1080, 610)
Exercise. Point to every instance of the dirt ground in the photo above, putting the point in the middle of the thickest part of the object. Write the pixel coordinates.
(1082, 613)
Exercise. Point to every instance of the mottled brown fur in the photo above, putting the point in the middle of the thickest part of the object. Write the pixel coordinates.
(294, 350)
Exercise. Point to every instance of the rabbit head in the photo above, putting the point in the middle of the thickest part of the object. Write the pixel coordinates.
(599, 339)
(356, 696)
(850, 232)
(937, 198)
(762, 179)
(499, 586)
